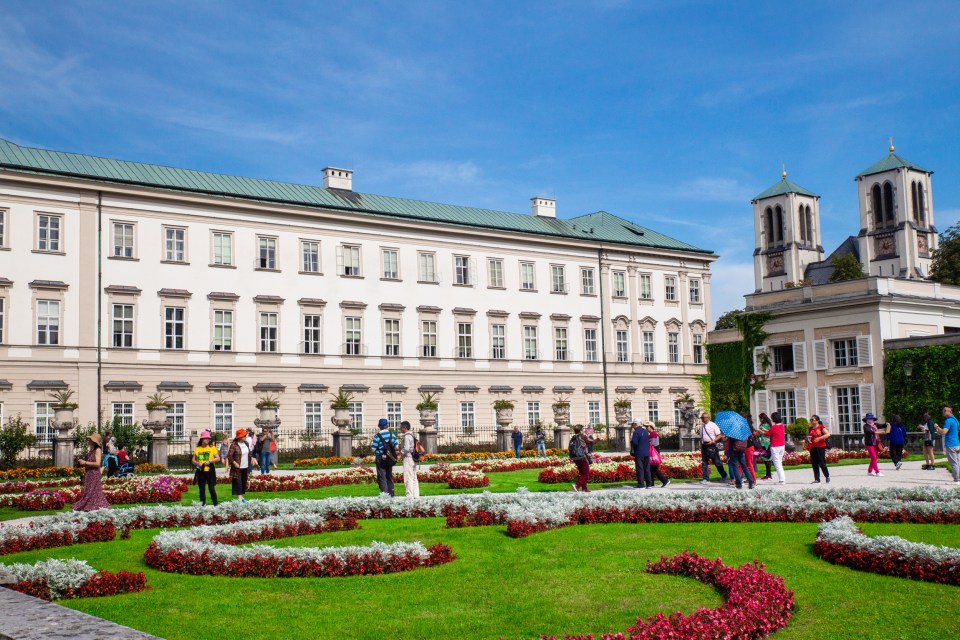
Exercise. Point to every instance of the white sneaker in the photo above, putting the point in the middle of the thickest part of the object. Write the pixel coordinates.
(869, 473)
(704, 482)
(575, 488)
(879, 475)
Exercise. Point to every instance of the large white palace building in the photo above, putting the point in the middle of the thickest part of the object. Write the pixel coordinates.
(122, 279)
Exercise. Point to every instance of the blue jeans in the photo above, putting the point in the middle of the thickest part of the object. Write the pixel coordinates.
(516, 450)
(542, 448)
(738, 468)
(265, 462)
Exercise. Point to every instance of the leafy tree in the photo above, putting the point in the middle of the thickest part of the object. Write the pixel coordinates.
(14, 438)
(129, 435)
(728, 320)
(845, 267)
(946, 258)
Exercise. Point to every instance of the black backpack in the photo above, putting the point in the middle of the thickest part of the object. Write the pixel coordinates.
(388, 449)
(576, 448)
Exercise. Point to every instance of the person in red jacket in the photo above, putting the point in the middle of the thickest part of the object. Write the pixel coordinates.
(777, 434)
(817, 443)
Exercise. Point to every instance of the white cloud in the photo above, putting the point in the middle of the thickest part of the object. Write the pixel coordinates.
(710, 189)
(439, 171)
(729, 282)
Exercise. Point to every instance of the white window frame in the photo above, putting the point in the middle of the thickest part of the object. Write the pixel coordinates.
(3, 235)
(353, 336)
(698, 349)
(530, 346)
(269, 332)
(177, 413)
(653, 411)
(313, 418)
(670, 288)
(558, 278)
(428, 339)
(468, 415)
(43, 413)
(498, 342)
(850, 357)
(590, 352)
(49, 233)
(391, 337)
(463, 270)
(785, 402)
(673, 347)
(649, 346)
(695, 297)
(312, 333)
(618, 284)
(561, 344)
(48, 322)
(587, 281)
(267, 253)
(355, 409)
(593, 413)
(623, 345)
(174, 244)
(123, 239)
(646, 286)
(3, 309)
(223, 417)
(495, 273)
(174, 328)
(390, 264)
(121, 328)
(427, 267)
(222, 330)
(124, 410)
(528, 276)
(222, 254)
(349, 260)
(393, 411)
(533, 412)
(464, 339)
(310, 256)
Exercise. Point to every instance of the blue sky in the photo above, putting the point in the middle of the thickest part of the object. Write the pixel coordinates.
(672, 114)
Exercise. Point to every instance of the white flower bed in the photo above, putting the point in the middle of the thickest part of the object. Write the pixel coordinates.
(61, 575)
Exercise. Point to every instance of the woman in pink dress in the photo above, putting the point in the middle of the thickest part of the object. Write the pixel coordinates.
(92, 497)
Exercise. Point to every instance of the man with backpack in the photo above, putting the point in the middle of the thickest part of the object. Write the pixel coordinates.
(385, 451)
(411, 450)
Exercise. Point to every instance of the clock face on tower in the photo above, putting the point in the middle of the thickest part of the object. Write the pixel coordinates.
(775, 263)
(922, 243)
(886, 246)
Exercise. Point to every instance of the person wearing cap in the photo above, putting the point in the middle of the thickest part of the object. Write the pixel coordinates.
(239, 456)
(205, 459)
(385, 452)
(709, 452)
(871, 442)
(951, 441)
(92, 497)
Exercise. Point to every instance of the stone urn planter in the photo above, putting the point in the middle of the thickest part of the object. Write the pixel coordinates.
(622, 415)
(504, 418)
(341, 419)
(561, 415)
(63, 416)
(268, 414)
(428, 418)
(158, 414)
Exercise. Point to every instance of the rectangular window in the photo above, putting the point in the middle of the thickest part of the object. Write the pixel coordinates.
(677, 413)
(311, 333)
(173, 329)
(670, 288)
(698, 348)
(428, 267)
(428, 338)
(310, 257)
(694, 292)
(268, 332)
(122, 326)
(623, 349)
(646, 290)
(177, 413)
(649, 353)
(464, 340)
(848, 409)
(468, 416)
(533, 413)
(845, 353)
(586, 282)
(619, 284)
(394, 414)
(313, 417)
(527, 279)
(461, 266)
(498, 338)
(267, 253)
(222, 330)
(558, 278)
(351, 336)
(48, 322)
(124, 410)
(590, 345)
(560, 338)
(223, 417)
(786, 402)
(122, 240)
(782, 357)
(653, 411)
(174, 244)
(593, 412)
(223, 248)
(44, 414)
(2, 309)
(349, 260)
(3, 230)
(495, 273)
(673, 347)
(48, 233)
(391, 337)
(530, 351)
(391, 264)
(356, 413)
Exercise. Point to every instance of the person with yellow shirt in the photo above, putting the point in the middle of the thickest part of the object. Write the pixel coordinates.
(205, 459)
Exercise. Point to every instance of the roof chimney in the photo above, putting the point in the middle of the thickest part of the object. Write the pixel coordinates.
(544, 207)
(334, 178)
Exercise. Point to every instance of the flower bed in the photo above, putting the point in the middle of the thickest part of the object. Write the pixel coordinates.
(841, 542)
(62, 579)
(135, 490)
(276, 482)
(429, 458)
(148, 467)
(40, 472)
(757, 604)
(673, 466)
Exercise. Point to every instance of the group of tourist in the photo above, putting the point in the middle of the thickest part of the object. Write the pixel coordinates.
(240, 457)
(386, 453)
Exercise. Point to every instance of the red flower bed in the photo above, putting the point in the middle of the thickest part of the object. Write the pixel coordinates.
(757, 604)
(38, 500)
(93, 532)
(889, 564)
(467, 481)
(104, 583)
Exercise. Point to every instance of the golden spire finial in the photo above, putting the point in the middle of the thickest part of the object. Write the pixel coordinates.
(891, 144)
(783, 173)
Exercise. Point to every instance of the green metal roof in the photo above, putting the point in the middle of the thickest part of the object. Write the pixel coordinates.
(595, 227)
(782, 187)
(892, 161)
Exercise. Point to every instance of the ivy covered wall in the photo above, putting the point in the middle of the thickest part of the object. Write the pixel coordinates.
(727, 377)
(933, 383)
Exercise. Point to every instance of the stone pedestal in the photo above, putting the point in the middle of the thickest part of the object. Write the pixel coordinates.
(561, 437)
(623, 436)
(504, 439)
(159, 450)
(343, 444)
(63, 451)
(428, 438)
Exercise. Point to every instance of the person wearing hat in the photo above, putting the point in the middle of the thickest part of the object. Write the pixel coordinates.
(871, 441)
(385, 453)
(92, 497)
(239, 456)
(205, 459)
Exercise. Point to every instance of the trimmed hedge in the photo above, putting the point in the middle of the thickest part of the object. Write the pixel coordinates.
(726, 376)
(933, 383)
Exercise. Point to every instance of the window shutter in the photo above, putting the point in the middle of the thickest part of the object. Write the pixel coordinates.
(799, 356)
(758, 360)
(866, 399)
(472, 276)
(340, 260)
(801, 397)
(819, 355)
(823, 404)
(864, 354)
(763, 402)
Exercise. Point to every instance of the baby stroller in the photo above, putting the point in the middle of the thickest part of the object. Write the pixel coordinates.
(125, 470)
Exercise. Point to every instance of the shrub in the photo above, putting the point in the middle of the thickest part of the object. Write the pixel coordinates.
(14, 438)
(342, 400)
(158, 401)
(428, 402)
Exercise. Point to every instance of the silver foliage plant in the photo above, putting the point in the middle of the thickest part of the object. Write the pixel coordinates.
(843, 531)
(61, 575)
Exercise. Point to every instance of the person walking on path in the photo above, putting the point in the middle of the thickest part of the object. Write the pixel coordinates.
(762, 452)
(205, 458)
(385, 449)
(929, 433)
(951, 441)
(580, 456)
(541, 441)
(817, 444)
(265, 443)
(517, 437)
(640, 450)
(748, 455)
(239, 456)
(92, 497)
(224, 451)
(777, 435)
(590, 437)
(655, 458)
(709, 451)
(871, 442)
(738, 463)
(411, 486)
(896, 437)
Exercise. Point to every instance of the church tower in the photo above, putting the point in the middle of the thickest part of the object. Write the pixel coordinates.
(897, 235)
(786, 222)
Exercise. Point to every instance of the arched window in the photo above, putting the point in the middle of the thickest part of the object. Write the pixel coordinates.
(768, 225)
(889, 219)
(877, 202)
(803, 225)
(913, 195)
(808, 216)
(921, 203)
(779, 225)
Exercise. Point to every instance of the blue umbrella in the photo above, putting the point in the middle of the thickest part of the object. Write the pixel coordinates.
(733, 425)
